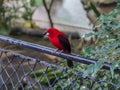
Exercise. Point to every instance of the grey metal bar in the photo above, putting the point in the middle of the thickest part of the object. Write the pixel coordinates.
(51, 51)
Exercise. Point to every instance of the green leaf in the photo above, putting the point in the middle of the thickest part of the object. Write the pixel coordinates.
(36, 3)
(88, 71)
(50, 75)
(98, 65)
(113, 66)
(4, 32)
(88, 51)
(117, 51)
(89, 34)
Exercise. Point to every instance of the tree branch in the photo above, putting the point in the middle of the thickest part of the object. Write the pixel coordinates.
(48, 11)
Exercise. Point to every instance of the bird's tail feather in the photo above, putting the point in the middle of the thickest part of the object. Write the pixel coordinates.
(69, 63)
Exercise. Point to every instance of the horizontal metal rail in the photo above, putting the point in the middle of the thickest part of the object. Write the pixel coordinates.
(51, 51)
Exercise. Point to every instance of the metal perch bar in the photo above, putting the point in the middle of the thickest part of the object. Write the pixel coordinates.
(51, 51)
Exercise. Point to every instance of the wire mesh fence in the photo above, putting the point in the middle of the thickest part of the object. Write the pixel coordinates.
(22, 72)
(19, 72)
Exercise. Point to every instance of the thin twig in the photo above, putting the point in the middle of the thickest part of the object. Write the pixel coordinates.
(48, 11)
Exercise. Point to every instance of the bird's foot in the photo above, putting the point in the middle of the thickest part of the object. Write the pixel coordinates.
(58, 51)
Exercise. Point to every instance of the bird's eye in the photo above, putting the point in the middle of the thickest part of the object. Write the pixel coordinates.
(47, 34)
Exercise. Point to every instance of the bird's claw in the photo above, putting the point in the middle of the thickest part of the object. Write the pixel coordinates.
(58, 51)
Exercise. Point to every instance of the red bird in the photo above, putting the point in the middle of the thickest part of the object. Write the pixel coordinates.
(60, 41)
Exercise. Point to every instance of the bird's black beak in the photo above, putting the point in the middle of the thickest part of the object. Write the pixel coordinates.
(44, 33)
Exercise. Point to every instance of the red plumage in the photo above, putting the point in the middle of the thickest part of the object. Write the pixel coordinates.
(60, 41)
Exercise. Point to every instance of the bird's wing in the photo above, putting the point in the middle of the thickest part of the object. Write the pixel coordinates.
(65, 43)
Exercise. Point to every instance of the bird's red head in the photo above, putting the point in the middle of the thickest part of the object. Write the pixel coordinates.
(52, 32)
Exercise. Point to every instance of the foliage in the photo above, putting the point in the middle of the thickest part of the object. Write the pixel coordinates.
(16, 13)
(6, 14)
(49, 73)
(106, 48)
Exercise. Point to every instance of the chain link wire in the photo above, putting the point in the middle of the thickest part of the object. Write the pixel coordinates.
(20, 72)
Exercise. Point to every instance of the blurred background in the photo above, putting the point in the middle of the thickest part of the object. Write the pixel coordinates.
(92, 26)
(83, 21)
